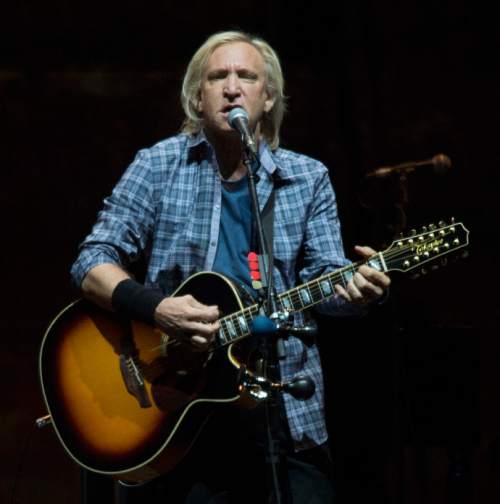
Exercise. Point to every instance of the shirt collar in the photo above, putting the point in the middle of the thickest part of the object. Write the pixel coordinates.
(265, 155)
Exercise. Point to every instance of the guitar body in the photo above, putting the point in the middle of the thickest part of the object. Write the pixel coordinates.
(120, 392)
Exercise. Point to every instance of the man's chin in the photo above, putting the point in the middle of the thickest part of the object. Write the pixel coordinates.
(221, 130)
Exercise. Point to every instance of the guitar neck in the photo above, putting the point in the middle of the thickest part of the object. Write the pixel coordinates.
(237, 325)
(403, 255)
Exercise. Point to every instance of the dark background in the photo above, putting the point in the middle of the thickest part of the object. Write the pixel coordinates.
(413, 388)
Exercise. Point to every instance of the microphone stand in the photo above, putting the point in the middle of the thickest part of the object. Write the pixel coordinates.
(266, 326)
(271, 347)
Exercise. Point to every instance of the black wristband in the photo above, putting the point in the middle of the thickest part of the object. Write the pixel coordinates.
(135, 301)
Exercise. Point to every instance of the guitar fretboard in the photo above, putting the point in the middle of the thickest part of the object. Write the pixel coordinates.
(238, 325)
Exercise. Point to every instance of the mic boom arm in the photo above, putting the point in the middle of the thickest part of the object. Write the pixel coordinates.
(440, 162)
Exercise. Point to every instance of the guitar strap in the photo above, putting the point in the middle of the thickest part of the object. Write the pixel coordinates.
(268, 224)
(267, 219)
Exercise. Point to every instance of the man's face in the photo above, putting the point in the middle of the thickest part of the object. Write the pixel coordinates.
(235, 75)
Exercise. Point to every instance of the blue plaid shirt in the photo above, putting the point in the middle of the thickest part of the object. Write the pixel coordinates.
(167, 207)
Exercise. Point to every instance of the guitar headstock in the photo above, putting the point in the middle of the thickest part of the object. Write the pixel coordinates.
(431, 243)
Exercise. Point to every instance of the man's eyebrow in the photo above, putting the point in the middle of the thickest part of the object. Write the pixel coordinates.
(215, 71)
(224, 70)
(248, 71)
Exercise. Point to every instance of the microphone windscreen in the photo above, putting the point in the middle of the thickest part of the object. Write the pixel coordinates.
(442, 163)
(235, 114)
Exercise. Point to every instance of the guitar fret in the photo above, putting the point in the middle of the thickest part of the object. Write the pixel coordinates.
(316, 292)
(222, 334)
(305, 296)
(236, 326)
(296, 300)
(242, 321)
(382, 261)
(326, 287)
(286, 302)
(231, 329)
(346, 275)
(251, 315)
(377, 262)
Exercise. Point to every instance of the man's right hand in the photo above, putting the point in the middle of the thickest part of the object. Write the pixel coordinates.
(189, 320)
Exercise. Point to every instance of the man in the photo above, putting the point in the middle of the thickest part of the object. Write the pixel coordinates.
(184, 206)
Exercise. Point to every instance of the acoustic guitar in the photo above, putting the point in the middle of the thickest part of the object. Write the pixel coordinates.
(128, 400)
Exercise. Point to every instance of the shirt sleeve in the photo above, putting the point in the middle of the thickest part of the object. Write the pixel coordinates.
(124, 226)
(323, 246)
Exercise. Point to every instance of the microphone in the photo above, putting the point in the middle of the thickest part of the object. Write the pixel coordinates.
(440, 162)
(238, 120)
(301, 387)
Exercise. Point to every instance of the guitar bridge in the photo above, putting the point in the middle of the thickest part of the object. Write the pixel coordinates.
(132, 376)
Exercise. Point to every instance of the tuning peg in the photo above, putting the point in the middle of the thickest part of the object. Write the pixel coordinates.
(444, 261)
(442, 223)
(465, 254)
(413, 232)
(452, 220)
(415, 276)
(423, 271)
(424, 229)
(432, 227)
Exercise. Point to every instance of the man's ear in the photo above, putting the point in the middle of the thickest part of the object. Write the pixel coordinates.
(198, 103)
(269, 103)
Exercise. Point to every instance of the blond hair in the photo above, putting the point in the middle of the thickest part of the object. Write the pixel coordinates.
(271, 121)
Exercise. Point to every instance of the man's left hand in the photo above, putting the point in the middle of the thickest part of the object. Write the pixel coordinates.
(367, 284)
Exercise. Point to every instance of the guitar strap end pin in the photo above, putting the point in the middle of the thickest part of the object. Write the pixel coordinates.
(43, 421)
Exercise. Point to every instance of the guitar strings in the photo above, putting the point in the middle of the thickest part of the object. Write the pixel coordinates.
(314, 287)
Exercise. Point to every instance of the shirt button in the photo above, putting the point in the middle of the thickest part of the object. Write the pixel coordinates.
(212, 244)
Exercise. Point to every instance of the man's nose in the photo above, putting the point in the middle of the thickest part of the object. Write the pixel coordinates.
(232, 86)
